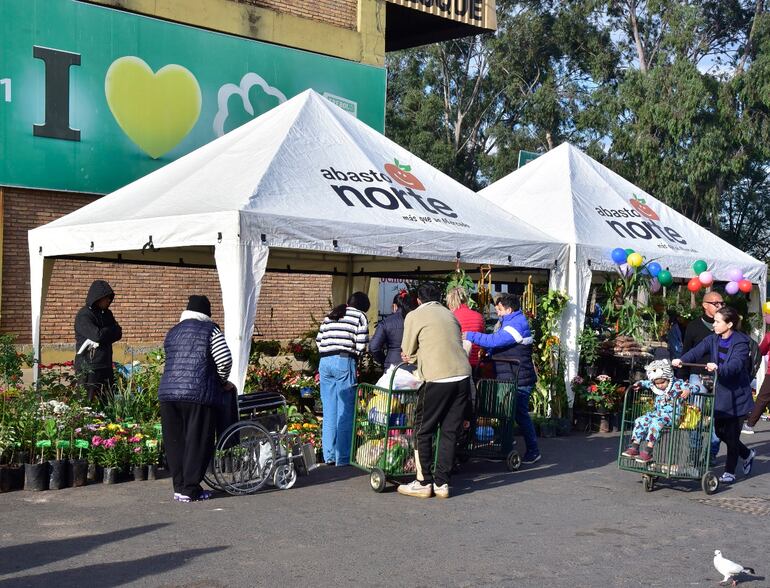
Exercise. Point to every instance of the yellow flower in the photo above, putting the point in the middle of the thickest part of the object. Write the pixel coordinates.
(113, 427)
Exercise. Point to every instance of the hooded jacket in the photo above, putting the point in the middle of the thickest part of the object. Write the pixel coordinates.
(512, 341)
(97, 325)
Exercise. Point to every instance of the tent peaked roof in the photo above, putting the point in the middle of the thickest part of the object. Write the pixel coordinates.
(305, 175)
(567, 193)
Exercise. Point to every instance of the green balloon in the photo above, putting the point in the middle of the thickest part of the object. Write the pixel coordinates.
(700, 266)
(665, 278)
(630, 251)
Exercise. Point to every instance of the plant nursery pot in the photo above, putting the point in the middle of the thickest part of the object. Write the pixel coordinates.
(152, 472)
(604, 423)
(111, 475)
(139, 473)
(36, 476)
(58, 474)
(78, 472)
(95, 473)
(11, 478)
(548, 429)
(563, 426)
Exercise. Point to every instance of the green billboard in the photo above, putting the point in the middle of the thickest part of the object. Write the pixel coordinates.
(92, 98)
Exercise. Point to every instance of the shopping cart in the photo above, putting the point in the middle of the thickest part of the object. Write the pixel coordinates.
(257, 449)
(682, 451)
(384, 439)
(491, 432)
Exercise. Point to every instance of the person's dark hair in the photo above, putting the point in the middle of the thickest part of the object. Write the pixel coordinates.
(429, 293)
(360, 301)
(509, 300)
(730, 315)
(408, 304)
(337, 312)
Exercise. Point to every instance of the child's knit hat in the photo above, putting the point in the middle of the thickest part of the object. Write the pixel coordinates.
(659, 370)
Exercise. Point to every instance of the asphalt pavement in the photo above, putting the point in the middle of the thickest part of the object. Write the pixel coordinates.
(571, 520)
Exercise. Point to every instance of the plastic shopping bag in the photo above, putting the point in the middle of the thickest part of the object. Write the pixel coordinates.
(403, 380)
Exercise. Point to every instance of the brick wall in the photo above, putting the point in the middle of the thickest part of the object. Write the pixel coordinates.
(149, 298)
(341, 13)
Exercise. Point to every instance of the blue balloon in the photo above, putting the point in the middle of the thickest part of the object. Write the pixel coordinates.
(619, 255)
(654, 268)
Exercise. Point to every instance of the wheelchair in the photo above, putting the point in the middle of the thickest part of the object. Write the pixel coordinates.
(257, 449)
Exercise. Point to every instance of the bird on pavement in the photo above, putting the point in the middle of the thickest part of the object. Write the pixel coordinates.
(729, 568)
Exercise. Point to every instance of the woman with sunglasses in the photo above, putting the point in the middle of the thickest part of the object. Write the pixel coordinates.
(727, 351)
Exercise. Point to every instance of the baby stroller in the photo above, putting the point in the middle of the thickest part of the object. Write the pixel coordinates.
(257, 449)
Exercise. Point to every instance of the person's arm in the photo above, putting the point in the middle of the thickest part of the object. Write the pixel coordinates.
(737, 360)
(764, 345)
(362, 334)
(696, 352)
(502, 338)
(409, 340)
(115, 332)
(377, 344)
(220, 352)
(87, 327)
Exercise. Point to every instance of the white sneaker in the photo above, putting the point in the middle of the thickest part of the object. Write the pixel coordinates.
(416, 489)
(441, 491)
(748, 462)
(746, 430)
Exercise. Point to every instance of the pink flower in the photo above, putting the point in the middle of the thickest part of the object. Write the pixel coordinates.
(96, 440)
(137, 449)
(134, 439)
(109, 443)
(78, 430)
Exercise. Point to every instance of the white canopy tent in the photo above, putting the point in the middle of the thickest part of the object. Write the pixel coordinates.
(304, 187)
(574, 198)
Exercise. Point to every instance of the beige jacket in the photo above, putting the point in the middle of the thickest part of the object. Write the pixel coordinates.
(432, 337)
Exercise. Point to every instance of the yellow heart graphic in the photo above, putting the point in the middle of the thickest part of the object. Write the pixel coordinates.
(155, 110)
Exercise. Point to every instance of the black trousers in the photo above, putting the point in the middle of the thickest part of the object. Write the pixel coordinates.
(763, 399)
(728, 429)
(188, 436)
(439, 404)
(97, 382)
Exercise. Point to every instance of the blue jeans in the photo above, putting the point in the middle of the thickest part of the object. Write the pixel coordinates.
(338, 394)
(524, 421)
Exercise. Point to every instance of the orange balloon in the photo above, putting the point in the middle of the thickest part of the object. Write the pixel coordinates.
(744, 286)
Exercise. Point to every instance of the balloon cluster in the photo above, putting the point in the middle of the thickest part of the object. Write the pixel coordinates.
(629, 260)
(703, 277)
(737, 282)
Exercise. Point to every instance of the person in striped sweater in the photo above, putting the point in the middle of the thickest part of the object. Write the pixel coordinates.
(341, 340)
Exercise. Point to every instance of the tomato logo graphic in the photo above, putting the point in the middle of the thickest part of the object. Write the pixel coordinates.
(401, 174)
(643, 209)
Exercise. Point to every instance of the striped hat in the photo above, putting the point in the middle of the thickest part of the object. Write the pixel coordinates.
(659, 370)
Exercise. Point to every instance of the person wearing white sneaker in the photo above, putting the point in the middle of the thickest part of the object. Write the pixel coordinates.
(748, 462)
(432, 337)
(747, 430)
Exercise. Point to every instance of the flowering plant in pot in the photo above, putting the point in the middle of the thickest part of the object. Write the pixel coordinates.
(138, 456)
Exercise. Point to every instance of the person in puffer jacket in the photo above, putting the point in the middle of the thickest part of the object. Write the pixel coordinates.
(513, 341)
(193, 384)
(95, 331)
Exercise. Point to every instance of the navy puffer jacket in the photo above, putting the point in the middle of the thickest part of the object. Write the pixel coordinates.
(512, 341)
(190, 374)
(385, 345)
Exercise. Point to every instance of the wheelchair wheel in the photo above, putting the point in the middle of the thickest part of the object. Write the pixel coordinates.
(285, 476)
(209, 479)
(244, 459)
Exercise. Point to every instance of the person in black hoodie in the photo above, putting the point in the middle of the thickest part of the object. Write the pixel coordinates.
(95, 331)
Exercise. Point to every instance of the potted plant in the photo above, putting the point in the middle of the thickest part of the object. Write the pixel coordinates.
(138, 457)
(78, 467)
(588, 342)
(270, 347)
(152, 455)
(301, 349)
(603, 395)
(36, 474)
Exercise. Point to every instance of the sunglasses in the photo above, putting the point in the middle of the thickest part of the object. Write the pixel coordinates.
(715, 303)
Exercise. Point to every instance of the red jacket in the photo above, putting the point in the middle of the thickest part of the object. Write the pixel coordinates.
(764, 347)
(470, 320)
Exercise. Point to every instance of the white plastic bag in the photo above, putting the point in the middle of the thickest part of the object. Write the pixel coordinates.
(404, 380)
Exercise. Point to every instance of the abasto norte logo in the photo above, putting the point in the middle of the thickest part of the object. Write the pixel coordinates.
(395, 189)
(639, 222)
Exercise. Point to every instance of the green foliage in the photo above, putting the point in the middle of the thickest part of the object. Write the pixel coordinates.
(11, 361)
(134, 397)
(588, 343)
(546, 355)
(459, 279)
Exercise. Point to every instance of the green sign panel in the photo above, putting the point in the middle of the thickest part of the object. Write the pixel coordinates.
(93, 98)
(526, 156)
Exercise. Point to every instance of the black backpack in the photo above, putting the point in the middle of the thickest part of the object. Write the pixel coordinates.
(755, 357)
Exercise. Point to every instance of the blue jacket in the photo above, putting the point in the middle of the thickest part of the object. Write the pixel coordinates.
(385, 345)
(190, 374)
(513, 340)
(733, 388)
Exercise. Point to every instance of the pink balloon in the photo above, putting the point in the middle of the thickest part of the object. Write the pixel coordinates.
(706, 278)
(655, 286)
(735, 275)
(731, 288)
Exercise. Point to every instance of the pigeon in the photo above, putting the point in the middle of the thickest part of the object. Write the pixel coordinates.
(729, 568)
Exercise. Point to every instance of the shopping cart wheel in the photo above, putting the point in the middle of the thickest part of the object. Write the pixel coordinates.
(649, 482)
(377, 480)
(285, 477)
(513, 461)
(709, 482)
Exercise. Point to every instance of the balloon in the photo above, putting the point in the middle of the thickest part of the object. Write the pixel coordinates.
(693, 285)
(744, 286)
(665, 278)
(735, 275)
(625, 270)
(706, 278)
(655, 285)
(654, 268)
(766, 307)
(731, 288)
(619, 255)
(699, 266)
(629, 251)
(635, 260)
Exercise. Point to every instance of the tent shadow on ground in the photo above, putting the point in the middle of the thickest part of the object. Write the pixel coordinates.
(110, 574)
(40, 553)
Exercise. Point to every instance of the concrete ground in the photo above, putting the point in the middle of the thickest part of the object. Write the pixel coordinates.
(572, 520)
